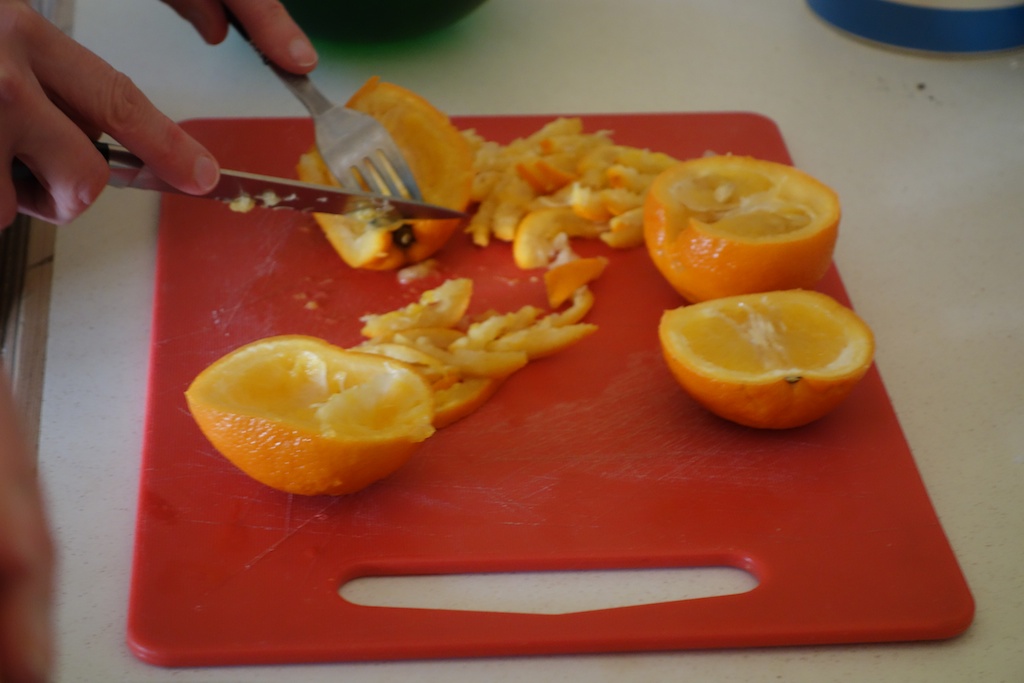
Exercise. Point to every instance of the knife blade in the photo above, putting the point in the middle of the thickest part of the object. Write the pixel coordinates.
(242, 190)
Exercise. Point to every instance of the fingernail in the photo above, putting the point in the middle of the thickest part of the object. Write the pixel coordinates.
(206, 173)
(302, 52)
(86, 195)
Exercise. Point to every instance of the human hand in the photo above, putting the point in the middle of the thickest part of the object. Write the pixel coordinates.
(26, 558)
(56, 97)
(267, 22)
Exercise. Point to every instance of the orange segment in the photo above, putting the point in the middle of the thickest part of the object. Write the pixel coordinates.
(442, 306)
(534, 245)
(560, 180)
(493, 363)
(439, 155)
(462, 398)
(544, 176)
(465, 358)
(455, 395)
(722, 226)
(543, 339)
(356, 238)
(625, 230)
(582, 302)
(303, 416)
(562, 280)
(773, 360)
(433, 370)
(441, 161)
(441, 337)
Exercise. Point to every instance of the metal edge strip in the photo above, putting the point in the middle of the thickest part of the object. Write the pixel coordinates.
(26, 273)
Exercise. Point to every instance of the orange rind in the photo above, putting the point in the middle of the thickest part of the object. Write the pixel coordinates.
(771, 360)
(303, 416)
(728, 225)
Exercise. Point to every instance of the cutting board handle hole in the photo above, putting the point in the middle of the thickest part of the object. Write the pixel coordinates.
(547, 592)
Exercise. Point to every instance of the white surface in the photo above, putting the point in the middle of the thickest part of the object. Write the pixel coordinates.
(926, 153)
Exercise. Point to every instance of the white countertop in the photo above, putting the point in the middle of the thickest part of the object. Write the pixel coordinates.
(927, 154)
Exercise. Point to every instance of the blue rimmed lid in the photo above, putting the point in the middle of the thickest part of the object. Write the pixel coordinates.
(933, 29)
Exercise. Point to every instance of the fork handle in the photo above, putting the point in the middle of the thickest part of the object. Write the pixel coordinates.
(304, 90)
(301, 86)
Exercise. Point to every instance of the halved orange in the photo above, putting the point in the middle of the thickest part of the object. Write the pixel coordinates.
(441, 161)
(307, 417)
(727, 225)
(773, 360)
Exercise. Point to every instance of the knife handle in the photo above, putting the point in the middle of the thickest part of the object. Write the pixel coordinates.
(21, 173)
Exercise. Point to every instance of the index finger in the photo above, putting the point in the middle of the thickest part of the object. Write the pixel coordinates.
(108, 101)
(267, 22)
(275, 33)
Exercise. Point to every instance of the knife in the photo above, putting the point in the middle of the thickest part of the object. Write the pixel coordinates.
(243, 191)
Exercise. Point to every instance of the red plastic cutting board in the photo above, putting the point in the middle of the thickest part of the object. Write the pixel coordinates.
(591, 459)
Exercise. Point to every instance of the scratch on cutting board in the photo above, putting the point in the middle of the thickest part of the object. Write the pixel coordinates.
(289, 531)
(272, 242)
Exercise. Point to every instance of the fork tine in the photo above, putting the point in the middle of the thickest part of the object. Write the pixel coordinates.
(350, 182)
(380, 176)
(401, 172)
(339, 128)
(390, 175)
(372, 178)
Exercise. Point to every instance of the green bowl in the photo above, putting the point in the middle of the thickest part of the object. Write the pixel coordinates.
(373, 21)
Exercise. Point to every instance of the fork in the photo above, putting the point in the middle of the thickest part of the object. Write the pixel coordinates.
(357, 149)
